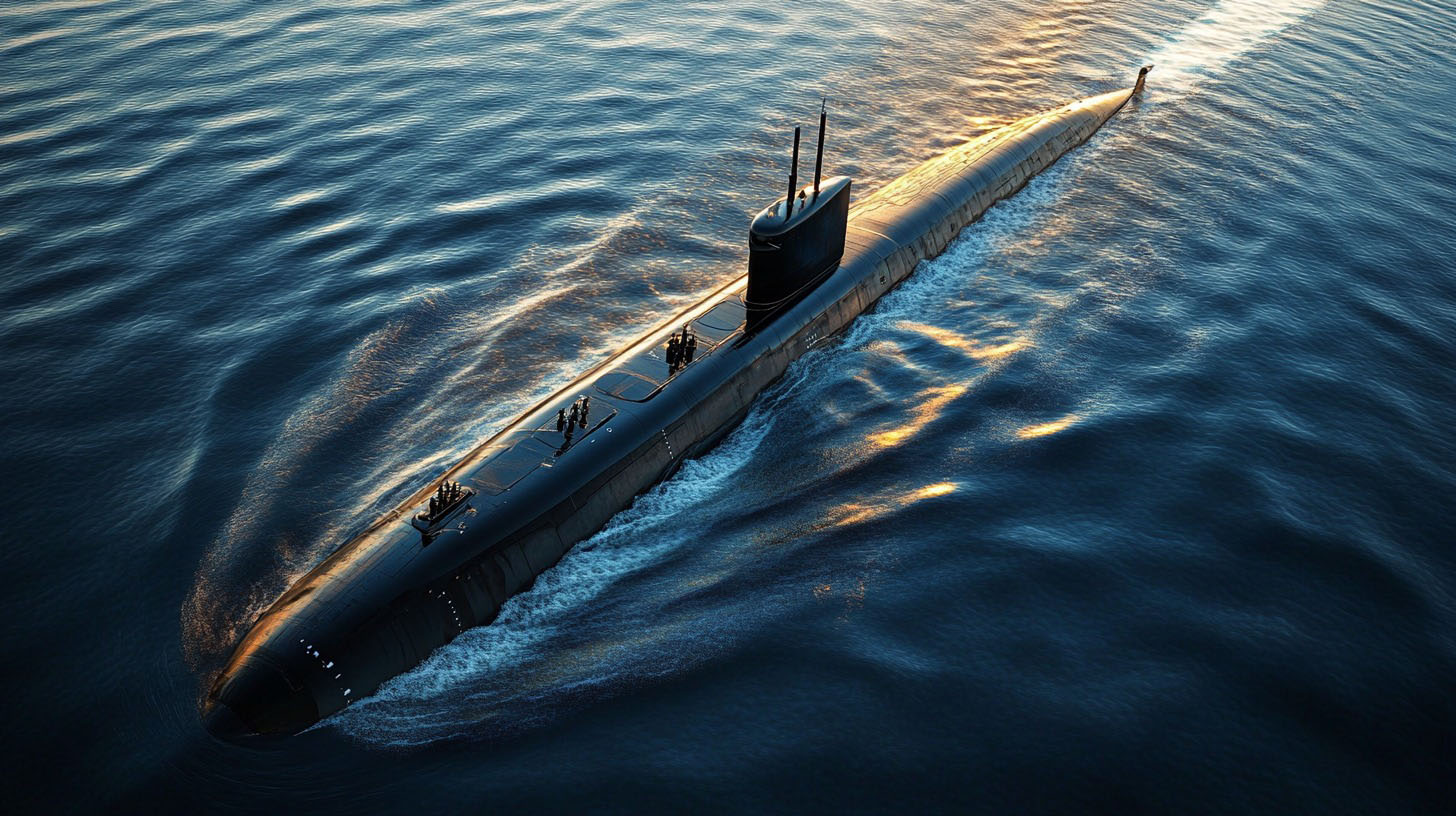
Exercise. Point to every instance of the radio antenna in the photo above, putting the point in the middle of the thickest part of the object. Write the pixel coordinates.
(793, 180)
(819, 155)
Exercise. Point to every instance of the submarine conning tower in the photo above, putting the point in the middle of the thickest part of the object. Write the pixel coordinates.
(796, 242)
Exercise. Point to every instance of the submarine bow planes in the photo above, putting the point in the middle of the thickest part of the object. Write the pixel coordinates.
(450, 556)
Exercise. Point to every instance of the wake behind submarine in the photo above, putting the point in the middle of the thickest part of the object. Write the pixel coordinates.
(448, 557)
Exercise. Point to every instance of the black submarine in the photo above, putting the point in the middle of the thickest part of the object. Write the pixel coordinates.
(450, 555)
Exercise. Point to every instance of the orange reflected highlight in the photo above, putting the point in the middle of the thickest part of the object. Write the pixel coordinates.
(935, 400)
(968, 345)
(930, 491)
(854, 513)
(1048, 428)
(990, 352)
(857, 513)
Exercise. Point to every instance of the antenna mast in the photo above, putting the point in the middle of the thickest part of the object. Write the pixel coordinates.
(793, 180)
(819, 155)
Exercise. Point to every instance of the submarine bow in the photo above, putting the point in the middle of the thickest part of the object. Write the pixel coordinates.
(450, 556)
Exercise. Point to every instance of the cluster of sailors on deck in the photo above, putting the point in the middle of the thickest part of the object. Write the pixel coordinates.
(680, 349)
(568, 423)
(445, 497)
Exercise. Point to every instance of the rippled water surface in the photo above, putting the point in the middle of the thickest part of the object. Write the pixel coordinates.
(1138, 499)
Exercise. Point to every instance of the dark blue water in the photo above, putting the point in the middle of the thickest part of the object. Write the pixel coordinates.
(1138, 499)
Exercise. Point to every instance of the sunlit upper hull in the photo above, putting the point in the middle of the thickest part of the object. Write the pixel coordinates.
(385, 600)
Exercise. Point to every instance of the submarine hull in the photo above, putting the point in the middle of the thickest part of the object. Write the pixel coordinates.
(388, 598)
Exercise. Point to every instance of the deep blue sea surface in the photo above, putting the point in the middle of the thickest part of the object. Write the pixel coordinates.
(1139, 499)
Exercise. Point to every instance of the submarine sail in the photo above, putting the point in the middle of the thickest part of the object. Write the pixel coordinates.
(794, 247)
(450, 556)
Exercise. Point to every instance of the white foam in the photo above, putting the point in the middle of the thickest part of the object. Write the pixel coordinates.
(635, 538)
(1227, 31)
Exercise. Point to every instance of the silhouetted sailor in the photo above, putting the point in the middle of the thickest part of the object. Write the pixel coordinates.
(672, 353)
(585, 406)
(560, 419)
(575, 413)
(691, 347)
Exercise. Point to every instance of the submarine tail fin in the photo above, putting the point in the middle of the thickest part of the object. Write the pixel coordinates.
(1142, 77)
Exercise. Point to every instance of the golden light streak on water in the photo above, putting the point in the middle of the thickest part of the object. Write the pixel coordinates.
(1048, 428)
(969, 345)
(857, 512)
(935, 400)
(930, 491)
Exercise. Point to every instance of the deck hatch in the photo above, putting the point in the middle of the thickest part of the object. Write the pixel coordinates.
(511, 465)
(726, 317)
(627, 386)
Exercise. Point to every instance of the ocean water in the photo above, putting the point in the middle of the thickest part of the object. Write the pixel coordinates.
(1138, 499)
